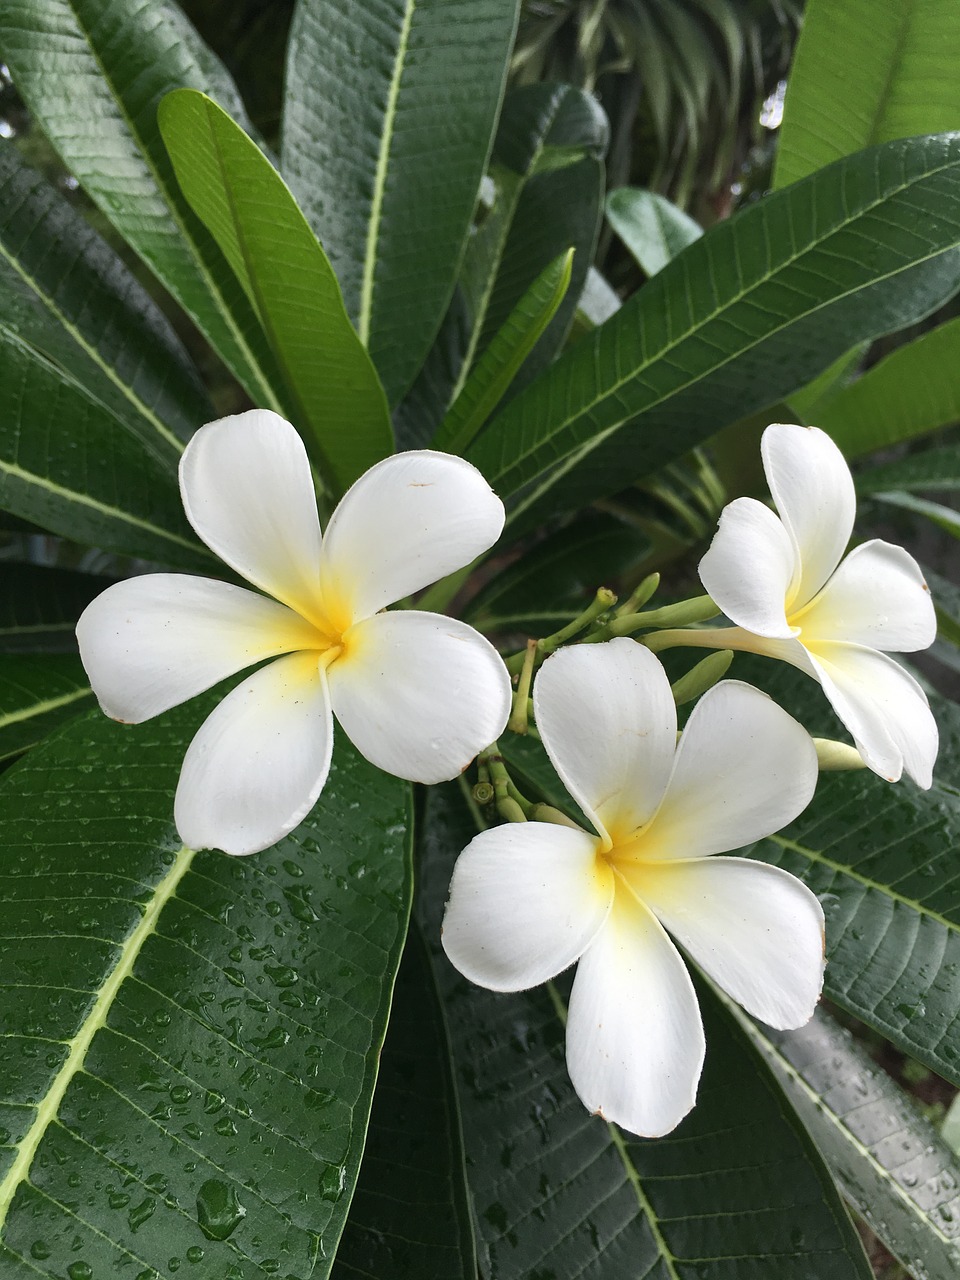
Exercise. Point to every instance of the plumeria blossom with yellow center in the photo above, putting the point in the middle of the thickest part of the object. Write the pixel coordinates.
(784, 585)
(418, 694)
(529, 899)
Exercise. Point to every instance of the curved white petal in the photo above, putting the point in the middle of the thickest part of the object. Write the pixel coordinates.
(813, 490)
(258, 762)
(150, 643)
(751, 569)
(754, 929)
(419, 694)
(609, 724)
(248, 491)
(635, 1042)
(408, 521)
(526, 899)
(744, 769)
(878, 598)
(884, 709)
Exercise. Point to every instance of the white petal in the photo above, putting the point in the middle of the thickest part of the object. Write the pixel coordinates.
(751, 569)
(248, 491)
(635, 1043)
(609, 723)
(744, 769)
(259, 761)
(408, 521)
(813, 490)
(526, 899)
(150, 643)
(754, 929)
(878, 598)
(884, 709)
(419, 694)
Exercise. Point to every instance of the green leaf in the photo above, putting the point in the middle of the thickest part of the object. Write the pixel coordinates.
(913, 390)
(410, 1216)
(738, 1188)
(92, 77)
(70, 466)
(39, 606)
(749, 312)
(389, 114)
(944, 517)
(901, 82)
(808, 402)
(891, 1164)
(67, 295)
(499, 364)
(37, 694)
(246, 206)
(553, 581)
(598, 302)
(937, 468)
(653, 229)
(191, 1040)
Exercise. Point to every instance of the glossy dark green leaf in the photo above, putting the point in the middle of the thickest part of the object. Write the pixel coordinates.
(753, 309)
(558, 577)
(70, 466)
(653, 229)
(944, 517)
(737, 1188)
(190, 1040)
(244, 203)
(38, 692)
(39, 606)
(900, 83)
(389, 114)
(67, 295)
(498, 366)
(410, 1216)
(936, 468)
(891, 1164)
(913, 390)
(92, 76)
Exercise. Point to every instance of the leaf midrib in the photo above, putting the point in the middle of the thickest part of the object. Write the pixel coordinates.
(49, 1107)
(40, 708)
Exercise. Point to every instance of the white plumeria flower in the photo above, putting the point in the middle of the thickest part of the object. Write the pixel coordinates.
(417, 693)
(529, 899)
(781, 581)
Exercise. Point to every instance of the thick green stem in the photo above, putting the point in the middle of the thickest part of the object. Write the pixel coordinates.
(521, 699)
(602, 602)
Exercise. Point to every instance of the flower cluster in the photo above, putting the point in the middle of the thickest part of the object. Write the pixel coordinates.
(420, 694)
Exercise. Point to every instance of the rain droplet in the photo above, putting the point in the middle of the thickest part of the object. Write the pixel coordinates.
(139, 1214)
(218, 1210)
(80, 1271)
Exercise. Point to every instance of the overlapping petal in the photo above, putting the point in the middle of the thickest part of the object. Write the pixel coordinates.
(884, 708)
(407, 522)
(877, 597)
(525, 902)
(744, 768)
(751, 568)
(419, 694)
(151, 643)
(756, 930)
(608, 721)
(813, 490)
(248, 491)
(635, 1043)
(258, 762)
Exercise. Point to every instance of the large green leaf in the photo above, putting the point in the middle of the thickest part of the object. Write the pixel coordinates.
(38, 692)
(70, 466)
(936, 468)
(737, 1189)
(190, 1040)
(389, 114)
(39, 606)
(66, 294)
(891, 1164)
(411, 1216)
(751, 310)
(653, 229)
(901, 82)
(913, 390)
(246, 206)
(92, 76)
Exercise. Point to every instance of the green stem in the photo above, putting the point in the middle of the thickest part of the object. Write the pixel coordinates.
(602, 602)
(521, 699)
